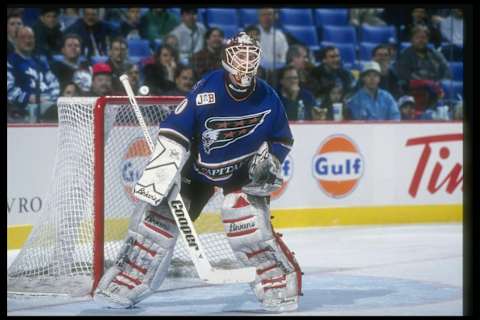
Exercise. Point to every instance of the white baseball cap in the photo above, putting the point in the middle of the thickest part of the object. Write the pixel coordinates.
(406, 99)
(371, 66)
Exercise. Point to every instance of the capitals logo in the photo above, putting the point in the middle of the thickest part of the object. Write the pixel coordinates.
(134, 160)
(338, 166)
(287, 172)
(222, 131)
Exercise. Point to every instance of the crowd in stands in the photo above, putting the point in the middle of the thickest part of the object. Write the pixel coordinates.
(369, 63)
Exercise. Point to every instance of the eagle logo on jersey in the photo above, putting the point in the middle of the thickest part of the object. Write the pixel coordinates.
(222, 131)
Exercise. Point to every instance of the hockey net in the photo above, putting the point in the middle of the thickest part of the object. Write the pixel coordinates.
(101, 153)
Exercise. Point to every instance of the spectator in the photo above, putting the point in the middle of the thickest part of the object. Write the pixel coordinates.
(370, 102)
(101, 80)
(159, 75)
(157, 23)
(297, 56)
(172, 41)
(298, 102)
(72, 60)
(71, 90)
(94, 32)
(83, 79)
(451, 27)
(406, 105)
(421, 62)
(273, 41)
(329, 74)
(14, 23)
(210, 57)
(325, 111)
(68, 17)
(190, 34)
(254, 32)
(420, 17)
(388, 79)
(48, 36)
(184, 80)
(130, 28)
(133, 72)
(428, 96)
(368, 16)
(31, 85)
(117, 61)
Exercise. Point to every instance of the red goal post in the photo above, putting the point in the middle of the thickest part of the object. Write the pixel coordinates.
(101, 152)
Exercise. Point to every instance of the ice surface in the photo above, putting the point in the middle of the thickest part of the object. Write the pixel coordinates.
(370, 270)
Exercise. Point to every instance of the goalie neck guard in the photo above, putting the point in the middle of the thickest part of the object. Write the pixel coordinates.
(241, 57)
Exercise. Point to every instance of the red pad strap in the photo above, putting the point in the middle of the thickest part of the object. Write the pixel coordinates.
(291, 259)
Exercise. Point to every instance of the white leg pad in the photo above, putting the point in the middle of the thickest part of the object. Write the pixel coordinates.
(246, 220)
(143, 261)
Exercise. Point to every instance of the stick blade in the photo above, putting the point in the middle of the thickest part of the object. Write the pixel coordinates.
(223, 276)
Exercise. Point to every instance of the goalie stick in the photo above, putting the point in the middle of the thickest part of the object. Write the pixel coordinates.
(204, 269)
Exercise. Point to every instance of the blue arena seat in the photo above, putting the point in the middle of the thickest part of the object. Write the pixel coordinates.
(221, 16)
(339, 34)
(248, 17)
(452, 52)
(307, 35)
(228, 29)
(378, 34)
(295, 17)
(366, 50)
(457, 70)
(332, 17)
(453, 89)
(99, 59)
(347, 51)
(138, 47)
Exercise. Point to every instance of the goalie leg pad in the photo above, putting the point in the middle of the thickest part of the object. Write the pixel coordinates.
(246, 221)
(143, 261)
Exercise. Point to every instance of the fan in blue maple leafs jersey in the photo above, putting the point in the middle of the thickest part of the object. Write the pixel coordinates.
(231, 131)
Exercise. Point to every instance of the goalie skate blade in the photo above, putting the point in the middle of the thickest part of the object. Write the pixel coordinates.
(243, 275)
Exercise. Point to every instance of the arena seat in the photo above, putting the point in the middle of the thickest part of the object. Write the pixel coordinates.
(307, 35)
(247, 17)
(453, 89)
(366, 50)
(332, 17)
(229, 30)
(457, 70)
(339, 34)
(295, 17)
(378, 34)
(221, 16)
(138, 47)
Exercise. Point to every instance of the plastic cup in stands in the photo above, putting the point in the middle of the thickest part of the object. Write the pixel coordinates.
(337, 111)
(442, 113)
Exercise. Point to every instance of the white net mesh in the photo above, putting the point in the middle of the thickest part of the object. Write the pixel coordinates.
(58, 255)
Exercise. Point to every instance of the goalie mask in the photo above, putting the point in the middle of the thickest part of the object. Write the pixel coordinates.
(241, 58)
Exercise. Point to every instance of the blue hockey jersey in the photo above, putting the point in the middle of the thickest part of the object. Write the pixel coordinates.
(223, 133)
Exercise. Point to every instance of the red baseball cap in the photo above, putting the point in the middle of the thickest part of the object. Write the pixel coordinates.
(101, 68)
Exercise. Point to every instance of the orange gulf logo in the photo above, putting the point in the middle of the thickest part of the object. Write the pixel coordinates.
(287, 171)
(134, 160)
(338, 166)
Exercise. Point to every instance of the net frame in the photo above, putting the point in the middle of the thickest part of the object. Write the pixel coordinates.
(101, 128)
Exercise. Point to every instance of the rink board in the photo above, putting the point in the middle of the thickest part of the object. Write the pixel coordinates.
(336, 174)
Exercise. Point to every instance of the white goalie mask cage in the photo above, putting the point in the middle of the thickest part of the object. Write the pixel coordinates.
(241, 57)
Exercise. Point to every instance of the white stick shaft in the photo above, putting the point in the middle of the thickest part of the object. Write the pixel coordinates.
(136, 109)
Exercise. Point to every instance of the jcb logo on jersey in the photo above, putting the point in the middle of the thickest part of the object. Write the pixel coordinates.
(222, 131)
(205, 98)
